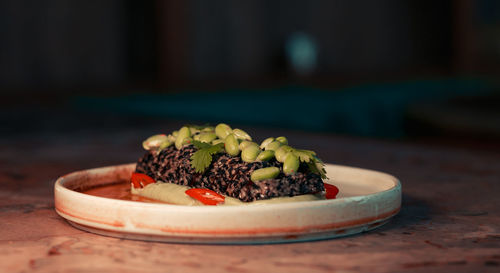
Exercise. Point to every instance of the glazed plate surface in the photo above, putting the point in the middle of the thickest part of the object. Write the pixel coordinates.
(367, 199)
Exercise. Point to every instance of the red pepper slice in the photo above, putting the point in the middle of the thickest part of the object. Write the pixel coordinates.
(140, 180)
(331, 191)
(206, 196)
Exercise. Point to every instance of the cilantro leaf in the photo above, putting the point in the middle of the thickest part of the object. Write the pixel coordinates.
(202, 158)
(317, 167)
(314, 164)
(201, 145)
(304, 155)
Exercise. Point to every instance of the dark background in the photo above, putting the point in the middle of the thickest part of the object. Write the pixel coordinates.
(425, 71)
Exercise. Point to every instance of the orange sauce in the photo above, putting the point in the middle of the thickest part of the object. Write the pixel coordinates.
(119, 191)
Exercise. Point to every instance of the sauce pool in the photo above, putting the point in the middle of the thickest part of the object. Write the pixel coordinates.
(120, 191)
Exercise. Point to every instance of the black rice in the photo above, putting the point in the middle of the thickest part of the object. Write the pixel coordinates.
(227, 175)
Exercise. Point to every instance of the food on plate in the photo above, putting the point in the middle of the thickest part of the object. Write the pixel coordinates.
(205, 165)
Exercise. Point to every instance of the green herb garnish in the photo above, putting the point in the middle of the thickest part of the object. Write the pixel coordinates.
(304, 155)
(313, 162)
(316, 165)
(202, 158)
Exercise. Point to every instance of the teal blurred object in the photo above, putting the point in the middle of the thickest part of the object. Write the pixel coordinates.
(302, 53)
(375, 110)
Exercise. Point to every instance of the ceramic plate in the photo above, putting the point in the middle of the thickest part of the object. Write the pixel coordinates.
(367, 199)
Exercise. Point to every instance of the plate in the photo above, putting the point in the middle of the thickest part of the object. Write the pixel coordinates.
(367, 199)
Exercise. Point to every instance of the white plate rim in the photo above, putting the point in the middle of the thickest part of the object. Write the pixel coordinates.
(126, 231)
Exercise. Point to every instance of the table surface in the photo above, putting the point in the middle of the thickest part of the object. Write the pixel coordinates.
(449, 222)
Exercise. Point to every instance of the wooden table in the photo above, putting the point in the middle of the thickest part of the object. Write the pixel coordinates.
(449, 222)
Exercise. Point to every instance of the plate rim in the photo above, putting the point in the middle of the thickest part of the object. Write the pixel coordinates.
(334, 229)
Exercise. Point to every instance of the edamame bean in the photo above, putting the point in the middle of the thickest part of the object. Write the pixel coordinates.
(171, 138)
(154, 142)
(232, 145)
(282, 152)
(283, 140)
(217, 141)
(207, 137)
(291, 164)
(250, 153)
(187, 140)
(184, 132)
(265, 155)
(208, 129)
(164, 145)
(273, 145)
(246, 143)
(194, 130)
(266, 142)
(222, 130)
(264, 173)
(240, 134)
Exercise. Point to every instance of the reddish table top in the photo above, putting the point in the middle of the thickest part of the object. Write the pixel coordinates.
(449, 222)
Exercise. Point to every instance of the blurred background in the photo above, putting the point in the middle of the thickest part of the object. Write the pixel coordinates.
(422, 71)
